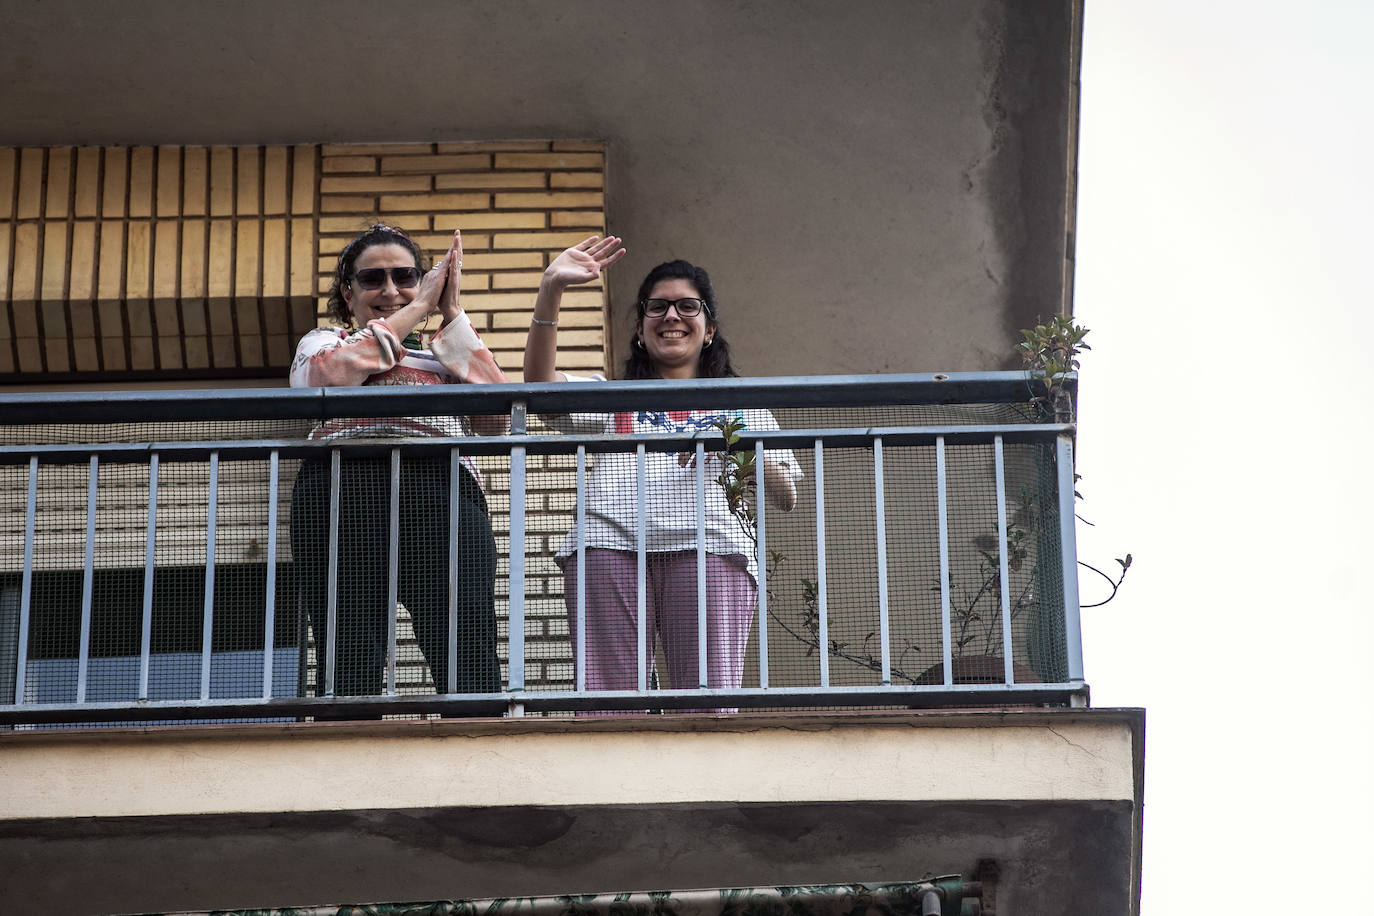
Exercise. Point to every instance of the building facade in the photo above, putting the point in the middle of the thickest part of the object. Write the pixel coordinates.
(876, 188)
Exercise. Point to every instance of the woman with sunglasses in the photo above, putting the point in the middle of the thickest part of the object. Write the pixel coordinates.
(380, 296)
(676, 336)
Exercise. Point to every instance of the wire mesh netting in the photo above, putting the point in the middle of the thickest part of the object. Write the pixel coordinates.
(817, 615)
(208, 566)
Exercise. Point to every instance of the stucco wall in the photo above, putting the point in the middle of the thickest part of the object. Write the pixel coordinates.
(306, 814)
(881, 186)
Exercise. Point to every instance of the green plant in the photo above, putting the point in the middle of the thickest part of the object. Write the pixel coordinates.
(1050, 351)
(971, 607)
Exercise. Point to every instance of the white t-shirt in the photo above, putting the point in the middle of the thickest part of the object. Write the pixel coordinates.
(671, 501)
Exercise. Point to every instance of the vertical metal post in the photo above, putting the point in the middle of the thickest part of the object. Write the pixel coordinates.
(942, 510)
(581, 557)
(641, 570)
(1002, 561)
(455, 554)
(761, 552)
(516, 614)
(207, 624)
(1068, 555)
(83, 651)
(270, 609)
(880, 526)
(328, 654)
(149, 560)
(21, 654)
(823, 609)
(393, 569)
(702, 678)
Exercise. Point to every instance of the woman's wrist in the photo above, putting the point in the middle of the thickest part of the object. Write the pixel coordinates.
(546, 303)
(553, 282)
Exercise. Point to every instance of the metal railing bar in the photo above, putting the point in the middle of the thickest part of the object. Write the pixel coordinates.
(641, 568)
(455, 554)
(1003, 571)
(1068, 554)
(270, 597)
(922, 695)
(880, 527)
(515, 640)
(547, 397)
(207, 628)
(566, 444)
(580, 543)
(761, 553)
(149, 565)
(393, 570)
(330, 650)
(83, 651)
(942, 515)
(702, 679)
(26, 584)
(823, 606)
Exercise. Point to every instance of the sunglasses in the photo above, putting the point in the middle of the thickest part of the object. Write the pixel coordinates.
(375, 277)
(686, 308)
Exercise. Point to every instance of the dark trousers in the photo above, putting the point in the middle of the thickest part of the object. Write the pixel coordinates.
(422, 575)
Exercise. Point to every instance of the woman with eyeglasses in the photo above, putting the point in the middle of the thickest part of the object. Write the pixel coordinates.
(380, 297)
(677, 335)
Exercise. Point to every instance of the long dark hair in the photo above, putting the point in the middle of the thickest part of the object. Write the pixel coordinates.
(715, 359)
(376, 234)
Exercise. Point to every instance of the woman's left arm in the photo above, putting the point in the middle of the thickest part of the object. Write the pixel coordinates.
(780, 483)
(780, 468)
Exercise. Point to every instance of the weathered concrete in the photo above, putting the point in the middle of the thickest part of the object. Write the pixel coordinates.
(1056, 857)
(233, 817)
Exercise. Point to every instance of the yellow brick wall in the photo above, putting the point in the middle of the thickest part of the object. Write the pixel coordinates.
(183, 262)
(147, 261)
(518, 204)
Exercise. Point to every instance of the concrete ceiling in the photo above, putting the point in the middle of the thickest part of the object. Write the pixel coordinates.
(880, 186)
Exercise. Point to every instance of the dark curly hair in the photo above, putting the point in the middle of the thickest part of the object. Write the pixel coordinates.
(376, 234)
(715, 359)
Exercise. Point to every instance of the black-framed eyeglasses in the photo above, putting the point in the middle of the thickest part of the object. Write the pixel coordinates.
(686, 308)
(375, 277)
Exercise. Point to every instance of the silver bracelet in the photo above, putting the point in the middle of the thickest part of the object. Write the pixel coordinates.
(544, 324)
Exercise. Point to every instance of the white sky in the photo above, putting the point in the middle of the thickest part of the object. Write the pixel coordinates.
(1224, 251)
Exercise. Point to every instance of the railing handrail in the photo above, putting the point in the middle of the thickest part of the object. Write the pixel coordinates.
(939, 388)
(563, 444)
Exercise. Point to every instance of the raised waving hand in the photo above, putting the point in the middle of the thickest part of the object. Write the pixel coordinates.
(581, 263)
(584, 261)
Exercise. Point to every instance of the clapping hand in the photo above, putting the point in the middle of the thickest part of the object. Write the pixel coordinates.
(584, 262)
(451, 270)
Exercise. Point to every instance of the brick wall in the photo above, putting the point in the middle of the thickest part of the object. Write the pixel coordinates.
(138, 262)
(193, 262)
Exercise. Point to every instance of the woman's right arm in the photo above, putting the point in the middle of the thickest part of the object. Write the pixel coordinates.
(581, 263)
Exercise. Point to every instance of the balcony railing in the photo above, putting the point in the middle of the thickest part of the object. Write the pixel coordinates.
(156, 567)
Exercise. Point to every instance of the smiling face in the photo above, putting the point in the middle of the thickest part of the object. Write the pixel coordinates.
(367, 304)
(673, 342)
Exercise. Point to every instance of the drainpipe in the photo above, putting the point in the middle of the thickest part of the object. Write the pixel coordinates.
(948, 896)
